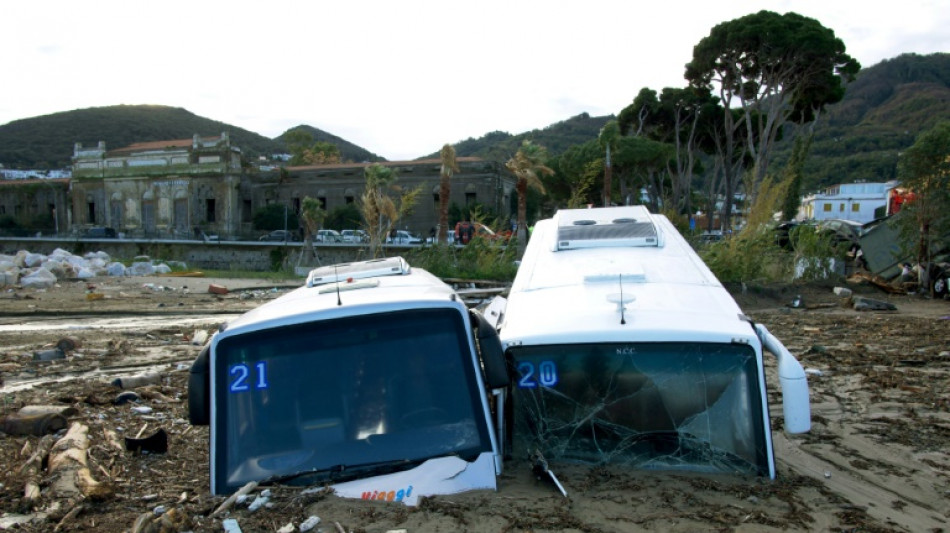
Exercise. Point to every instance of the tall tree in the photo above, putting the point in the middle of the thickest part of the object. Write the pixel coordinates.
(449, 167)
(608, 138)
(528, 165)
(304, 151)
(774, 67)
(924, 168)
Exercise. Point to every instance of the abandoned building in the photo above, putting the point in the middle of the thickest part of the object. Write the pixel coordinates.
(176, 188)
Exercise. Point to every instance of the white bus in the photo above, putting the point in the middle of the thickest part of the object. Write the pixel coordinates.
(629, 351)
(373, 378)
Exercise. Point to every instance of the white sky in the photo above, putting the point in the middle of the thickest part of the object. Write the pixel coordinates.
(397, 77)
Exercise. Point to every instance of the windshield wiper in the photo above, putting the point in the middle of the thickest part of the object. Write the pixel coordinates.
(342, 472)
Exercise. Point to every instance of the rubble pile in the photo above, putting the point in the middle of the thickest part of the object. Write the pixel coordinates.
(40, 271)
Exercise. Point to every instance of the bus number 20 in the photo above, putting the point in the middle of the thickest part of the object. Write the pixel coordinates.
(545, 374)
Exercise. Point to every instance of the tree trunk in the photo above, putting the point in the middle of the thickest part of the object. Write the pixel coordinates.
(444, 190)
(522, 188)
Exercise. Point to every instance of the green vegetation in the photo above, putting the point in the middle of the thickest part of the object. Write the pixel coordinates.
(479, 259)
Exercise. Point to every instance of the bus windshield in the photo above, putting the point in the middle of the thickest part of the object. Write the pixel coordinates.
(337, 394)
(667, 406)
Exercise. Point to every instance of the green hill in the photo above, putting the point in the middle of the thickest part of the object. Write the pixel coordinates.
(558, 137)
(882, 113)
(349, 152)
(47, 141)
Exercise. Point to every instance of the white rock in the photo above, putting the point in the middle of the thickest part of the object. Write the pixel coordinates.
(38, 279)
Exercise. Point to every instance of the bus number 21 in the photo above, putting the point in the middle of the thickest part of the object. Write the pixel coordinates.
(241, 378)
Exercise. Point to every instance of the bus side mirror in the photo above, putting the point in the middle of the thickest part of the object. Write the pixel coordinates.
(199, 395)
(793, 382)
(493, 356)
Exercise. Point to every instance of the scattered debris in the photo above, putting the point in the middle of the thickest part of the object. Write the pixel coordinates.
(214, 288)
(49, 355)
(867, 304)
(139, 380)
(35, 425)
(154, 443)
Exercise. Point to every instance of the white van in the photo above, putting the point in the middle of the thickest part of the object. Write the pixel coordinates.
(629, 351)
(373, 378)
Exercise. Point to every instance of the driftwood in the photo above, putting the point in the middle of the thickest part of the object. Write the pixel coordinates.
(31, 410)
(68, 462)
(32, 469)
(251, 485)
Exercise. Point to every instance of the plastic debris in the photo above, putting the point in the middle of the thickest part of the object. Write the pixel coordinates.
(309, 523)
(138, 380)
(231, 525)
(49, 355)
(35, 425)
(154, 443)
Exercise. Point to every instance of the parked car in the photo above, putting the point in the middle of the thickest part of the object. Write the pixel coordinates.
(449, 238)
(401, 236)
(328, 235)
(279, 235)
(100, 232)
(354, 235)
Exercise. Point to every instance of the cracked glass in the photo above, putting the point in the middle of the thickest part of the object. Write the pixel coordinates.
(341, 393)
(664, 406)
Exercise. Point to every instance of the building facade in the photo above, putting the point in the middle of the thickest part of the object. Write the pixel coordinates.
(180, 188)
(858, 202)
(160, 189)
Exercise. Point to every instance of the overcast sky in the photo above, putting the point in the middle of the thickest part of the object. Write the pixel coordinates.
(397, 77)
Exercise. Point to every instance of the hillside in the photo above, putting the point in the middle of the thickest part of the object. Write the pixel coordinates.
(882, 113)
(47, 141)
(349, 151)
(558, 137)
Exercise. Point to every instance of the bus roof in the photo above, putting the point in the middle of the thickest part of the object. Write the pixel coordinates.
(616, 274)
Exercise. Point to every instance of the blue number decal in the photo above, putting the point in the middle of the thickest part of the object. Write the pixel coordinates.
(527, 376)
(547, 374)
(261, 375)
(239, 383)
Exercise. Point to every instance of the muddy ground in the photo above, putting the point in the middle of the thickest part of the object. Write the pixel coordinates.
(875, 460)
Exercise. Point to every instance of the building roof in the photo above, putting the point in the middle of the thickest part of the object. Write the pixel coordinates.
(386, 163)
(151, 146)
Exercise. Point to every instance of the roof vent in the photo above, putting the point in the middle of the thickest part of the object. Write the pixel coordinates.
(373, 268)
(605, 227)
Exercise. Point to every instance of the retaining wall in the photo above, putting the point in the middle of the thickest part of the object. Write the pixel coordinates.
(227, 255)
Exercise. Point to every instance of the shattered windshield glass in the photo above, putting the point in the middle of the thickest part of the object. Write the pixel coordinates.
(337, 394)
(690, 406)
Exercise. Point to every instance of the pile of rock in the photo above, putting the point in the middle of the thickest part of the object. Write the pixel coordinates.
(29, 269)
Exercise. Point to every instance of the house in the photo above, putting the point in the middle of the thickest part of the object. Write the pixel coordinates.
(858, 202)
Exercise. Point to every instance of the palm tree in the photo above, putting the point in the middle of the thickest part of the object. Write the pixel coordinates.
(312, 215)
(380, 210)
(527, 165)
(449, 167)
